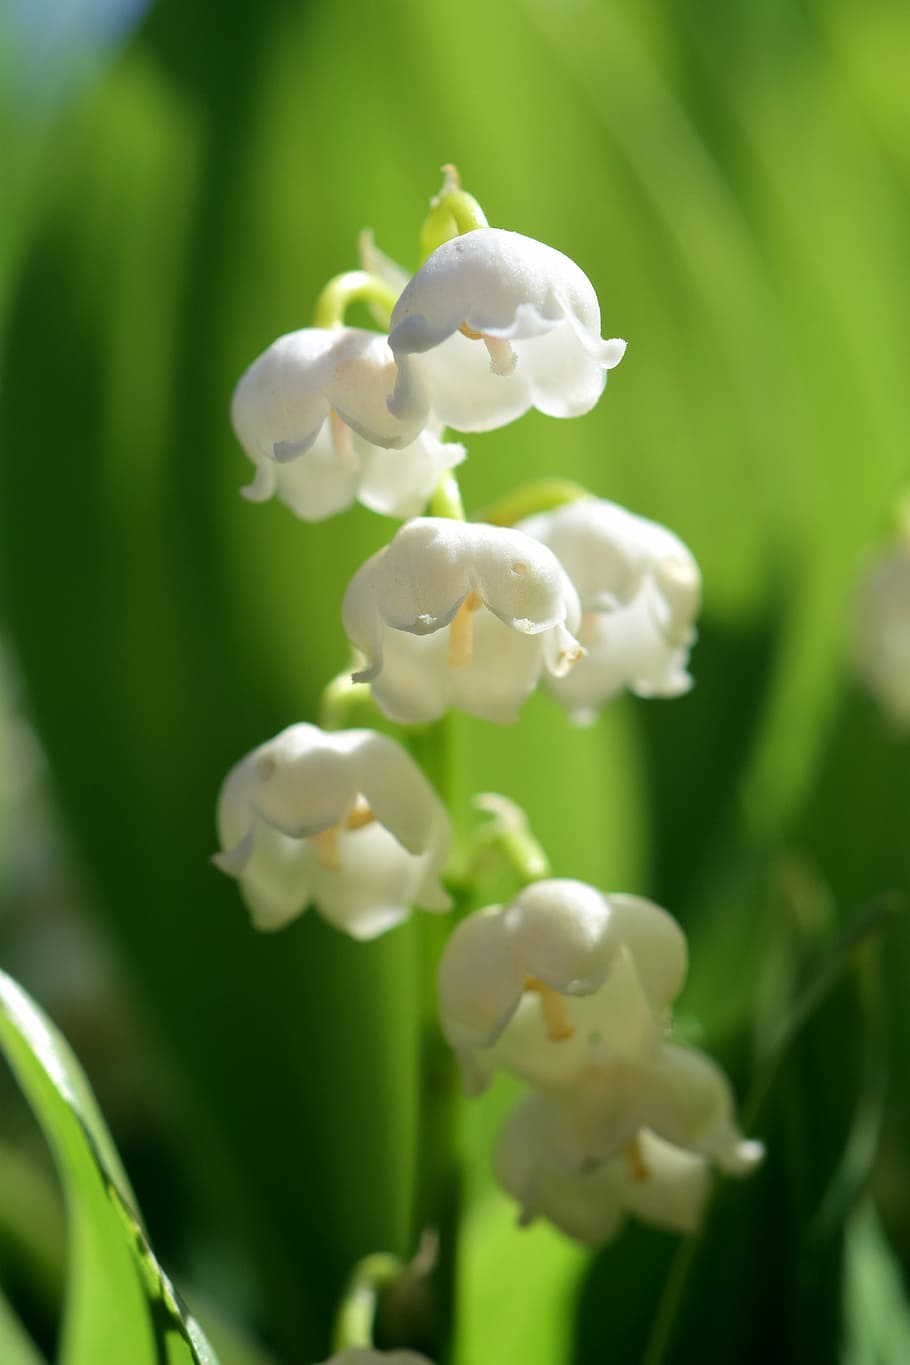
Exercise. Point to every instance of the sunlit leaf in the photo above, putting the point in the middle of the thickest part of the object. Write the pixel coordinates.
(16, 1348)
(877, 1311)
(119, 1301)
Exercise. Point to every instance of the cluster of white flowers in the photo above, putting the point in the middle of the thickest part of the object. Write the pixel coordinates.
(565, 987)
(570, 990)
(455, 613)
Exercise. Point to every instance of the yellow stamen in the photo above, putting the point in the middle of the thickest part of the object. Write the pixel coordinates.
(554, 1009)
(327, 849)
(360, 815)
(461, 631)
(635, 1161)
(469, 332)
(327, 841)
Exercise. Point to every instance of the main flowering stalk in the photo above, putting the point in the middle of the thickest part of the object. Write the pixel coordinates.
(438, 1182)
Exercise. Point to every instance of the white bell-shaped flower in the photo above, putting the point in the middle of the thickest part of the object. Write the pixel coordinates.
(311, 412)
(493, 324)
(462, 614)
(882, 633)
(676, 1092)
(652, 1180)
(640, 590)
(533, 985)
(346, 821)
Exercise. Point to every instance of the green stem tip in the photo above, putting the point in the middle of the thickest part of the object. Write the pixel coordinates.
(339, 700)
(445, 500)
(355, 1324)
(541, 496)
(452, 213)
(510, 832)
(353, 286)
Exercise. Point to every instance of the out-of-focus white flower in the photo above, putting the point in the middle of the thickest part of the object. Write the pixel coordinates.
(652, 1180)
(640, 591)
(882, 632)
(346, 821)
(460, 614)
(366, 1355)
(536, 985)
(493, 324)
(677, 1093)
(311, 412)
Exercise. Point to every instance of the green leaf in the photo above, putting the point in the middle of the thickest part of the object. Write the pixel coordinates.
(518, 1287)
(876, 1308)
(16, 1347)
(119, 1302)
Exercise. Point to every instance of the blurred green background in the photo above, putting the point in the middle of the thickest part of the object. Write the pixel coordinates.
(177, 186)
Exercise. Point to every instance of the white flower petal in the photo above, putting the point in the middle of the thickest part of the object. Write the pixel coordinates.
(399, 483)
(560, 980)
(317, 484)
(373, 885)
(617, 1018)
(639, 589)
(466, 394)
(276, 401)
(503, 672)
(656, 943)
(410, 678)
(677, 1093)
(585, 1206)
(345, 820)
(300, 782)
(661, 1184)
(531, 316)
(405, 804)
(563, 929)
(675, 1189)
(312, 413)
(694, 1109)
(277, 882)
(511, 588)
(481, 979)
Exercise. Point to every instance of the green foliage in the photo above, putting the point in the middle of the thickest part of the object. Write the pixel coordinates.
(118, 1299)
(15, 1343)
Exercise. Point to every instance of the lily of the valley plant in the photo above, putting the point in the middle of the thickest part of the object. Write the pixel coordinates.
(566, 987)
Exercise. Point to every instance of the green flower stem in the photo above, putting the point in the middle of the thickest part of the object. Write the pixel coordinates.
(446, 499)
(354, 286)
(664, 1324)
(438, 1179)
(452, 213)
(356, 1321)
(525, 855)
(439, 1176)
(340, 698)
(509, 832)
(541, 496)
